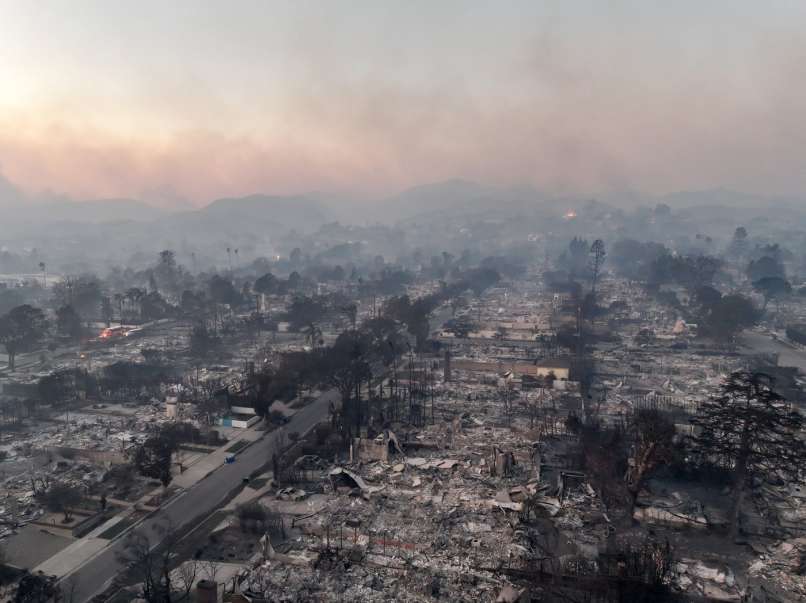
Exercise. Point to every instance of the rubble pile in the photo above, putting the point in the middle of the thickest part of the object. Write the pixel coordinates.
(783, 566)
(442, 517)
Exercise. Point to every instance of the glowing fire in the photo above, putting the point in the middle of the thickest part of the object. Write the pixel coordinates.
(570, 215)
(112, 332)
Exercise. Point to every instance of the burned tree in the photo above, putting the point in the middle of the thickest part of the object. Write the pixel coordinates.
(36, 588)
(604, 458)
(63, 498)
(772, 288)
(20, 330)
(185, 576)
(750, 429)
(153, 457)
(576, 258)
(350, 312)
(349, 369)
(652, 434)
(597, 253)
(148, 558)
(348, 379)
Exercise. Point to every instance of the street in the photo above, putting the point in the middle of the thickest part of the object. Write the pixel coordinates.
(198, 501)
(787, 355)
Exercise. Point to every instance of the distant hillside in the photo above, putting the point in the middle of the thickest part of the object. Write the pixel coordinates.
(105, 210)
(301, 213)
(82, 212)
(450, 196)
(721, 197)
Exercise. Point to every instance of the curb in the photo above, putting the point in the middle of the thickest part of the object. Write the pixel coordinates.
(153, 512)
(171, 501)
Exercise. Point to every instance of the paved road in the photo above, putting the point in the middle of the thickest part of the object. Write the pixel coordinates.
(787, 355)
(199, 501)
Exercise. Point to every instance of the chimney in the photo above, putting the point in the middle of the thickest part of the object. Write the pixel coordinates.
(206, 591)
(171, 407)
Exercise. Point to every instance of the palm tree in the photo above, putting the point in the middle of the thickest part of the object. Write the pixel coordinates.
(42, 268)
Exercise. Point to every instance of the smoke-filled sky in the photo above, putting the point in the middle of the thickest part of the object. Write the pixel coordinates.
(196, 100)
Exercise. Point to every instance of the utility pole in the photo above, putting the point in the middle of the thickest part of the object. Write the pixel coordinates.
(411, 378)
(431, 388)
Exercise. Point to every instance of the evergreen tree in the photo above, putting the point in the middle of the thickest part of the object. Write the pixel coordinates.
(750, 429)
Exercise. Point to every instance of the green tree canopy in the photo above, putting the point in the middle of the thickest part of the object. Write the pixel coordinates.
(20, 329)
(751, 430)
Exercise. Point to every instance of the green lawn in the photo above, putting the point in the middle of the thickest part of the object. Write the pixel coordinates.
(118, 528)
(238, 446)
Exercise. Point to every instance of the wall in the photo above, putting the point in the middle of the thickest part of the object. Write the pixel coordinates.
(519, 368)
(370, 450)
(239, 423)
(242, 410)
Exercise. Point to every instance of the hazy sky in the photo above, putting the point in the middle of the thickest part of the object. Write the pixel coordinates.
(197, 100)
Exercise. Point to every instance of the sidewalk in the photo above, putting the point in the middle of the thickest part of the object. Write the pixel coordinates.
(82, 550)
(250, 494)
(68, 559)
(210, 462)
